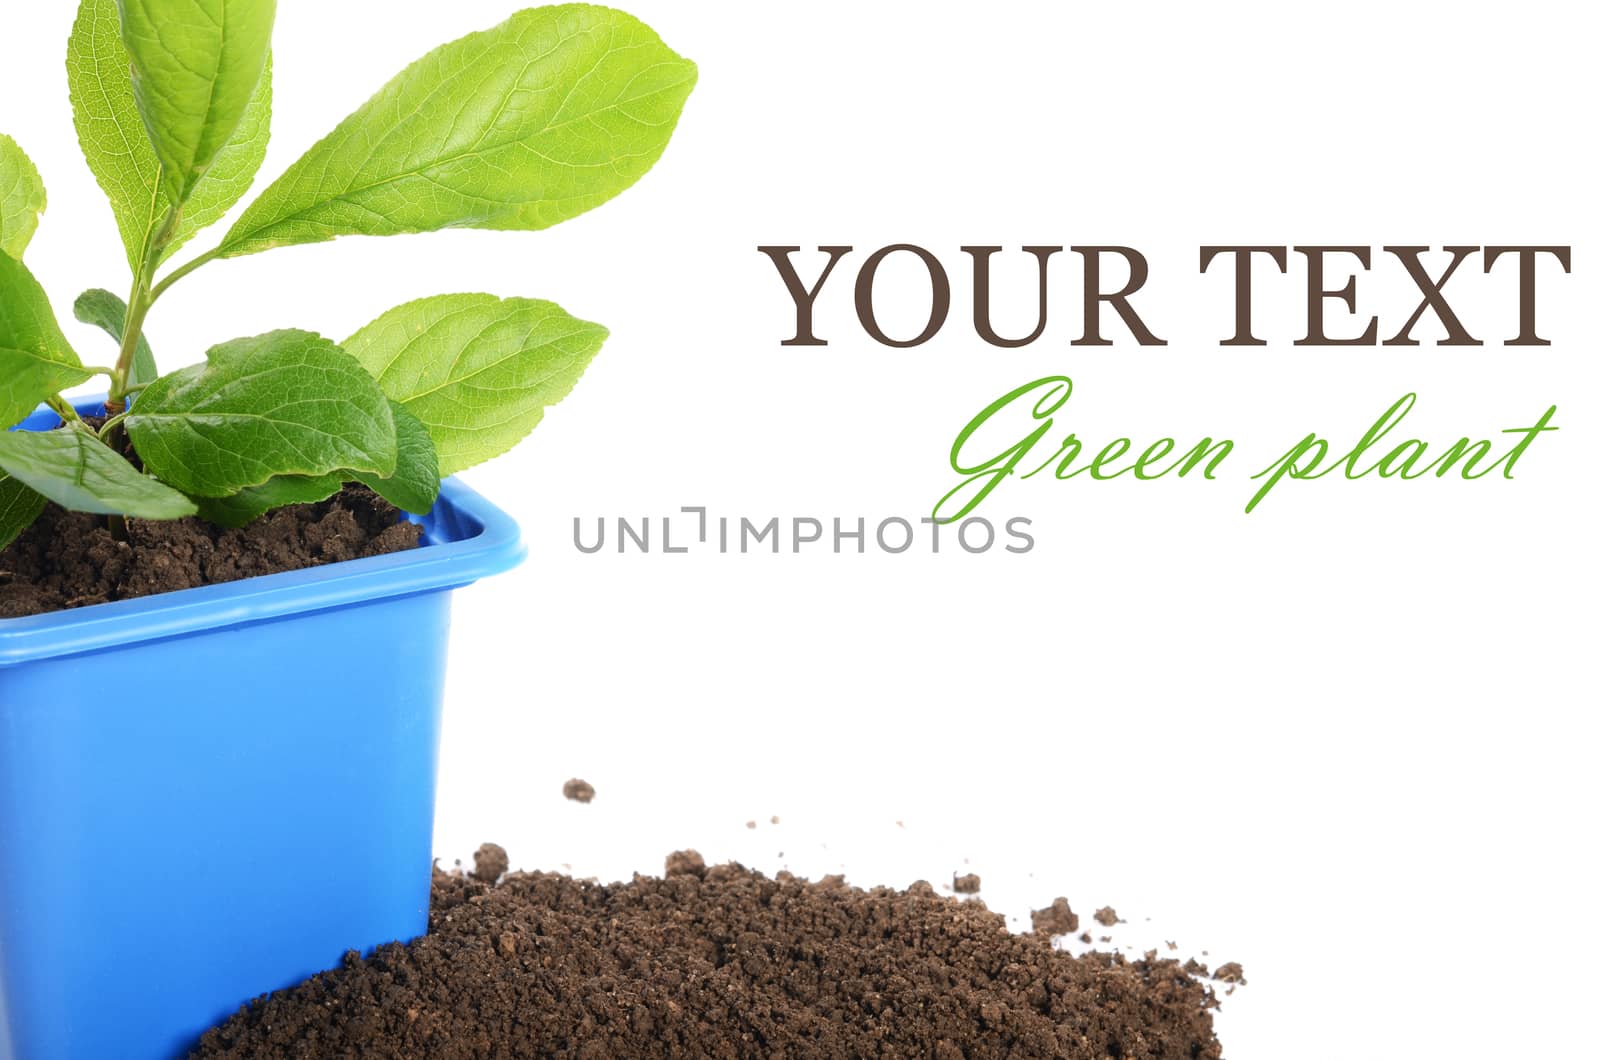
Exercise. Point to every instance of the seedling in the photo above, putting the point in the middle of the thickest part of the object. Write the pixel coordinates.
(522, 126)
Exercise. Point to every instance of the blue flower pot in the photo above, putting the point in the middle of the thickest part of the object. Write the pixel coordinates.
(212, 794)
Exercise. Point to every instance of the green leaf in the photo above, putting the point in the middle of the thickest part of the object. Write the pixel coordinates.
(522, 126)
(76, 470)
(36, 361)
(120, 154)
(478, 371)
(110, 132)
(19, 507)
(250, 504)
(21, 198)
(414, 486)
(109, 313)
(233, 170)
(195, 66)
(283, 403)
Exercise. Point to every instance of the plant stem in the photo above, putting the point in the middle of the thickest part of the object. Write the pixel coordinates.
(140, 299)
(181, 271)
(63, 408)
(111, 435)
(111, 424)
(132, 328)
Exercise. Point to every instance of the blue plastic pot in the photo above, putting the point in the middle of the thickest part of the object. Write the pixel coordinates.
(212, 794)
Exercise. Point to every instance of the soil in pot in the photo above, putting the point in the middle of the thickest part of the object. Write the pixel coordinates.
(69, 559)
(724, 962)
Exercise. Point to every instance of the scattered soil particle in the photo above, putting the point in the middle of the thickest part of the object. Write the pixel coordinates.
(1107, 916)
(968, 884)
(685, 863)
(69, 559)
(578, 790)
(1232, 972)
(490, 863)
(1055, 919)
(774, 818)
(723, 962)
(1086, 938)
(750, 825)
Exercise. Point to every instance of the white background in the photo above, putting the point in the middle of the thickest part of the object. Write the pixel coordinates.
(1346, 740)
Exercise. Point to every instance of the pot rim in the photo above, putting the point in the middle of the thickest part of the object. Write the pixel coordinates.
(465, 538)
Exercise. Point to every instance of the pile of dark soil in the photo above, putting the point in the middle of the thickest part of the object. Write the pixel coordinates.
(724, 962)
(69, 559)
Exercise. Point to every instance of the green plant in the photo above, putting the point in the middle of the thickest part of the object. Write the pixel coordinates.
(522, 126)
